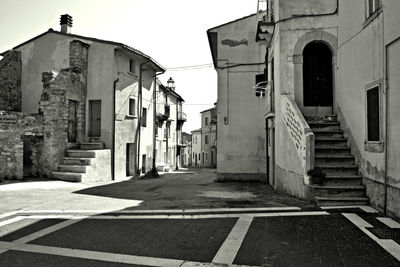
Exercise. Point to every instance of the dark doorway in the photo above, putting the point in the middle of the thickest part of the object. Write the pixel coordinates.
(27, 156)
(94, 118)
(317, 75)
(130, 159)
(72, 119)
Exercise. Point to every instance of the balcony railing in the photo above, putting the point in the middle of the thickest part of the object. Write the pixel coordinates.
(162, 111)
(181, 116)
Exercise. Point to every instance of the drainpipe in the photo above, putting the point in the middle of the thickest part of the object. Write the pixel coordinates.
(154, 170)
(140, 114)
(176, 137)
(113, 131)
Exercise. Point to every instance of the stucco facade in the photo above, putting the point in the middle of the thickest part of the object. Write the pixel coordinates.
(209, 138)
(118, 79)
(241, 140)
(196, 148)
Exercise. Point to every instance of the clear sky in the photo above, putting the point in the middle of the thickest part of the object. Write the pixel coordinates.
(173, 32)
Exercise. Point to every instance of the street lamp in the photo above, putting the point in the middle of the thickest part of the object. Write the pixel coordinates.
(171, 83)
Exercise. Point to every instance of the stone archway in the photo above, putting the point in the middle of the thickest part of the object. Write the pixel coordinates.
(312, 37)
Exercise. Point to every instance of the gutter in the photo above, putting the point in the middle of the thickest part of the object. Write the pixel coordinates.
(113, 132)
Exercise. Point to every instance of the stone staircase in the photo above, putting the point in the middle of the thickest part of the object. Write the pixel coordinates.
(89, 163)
(342, 184)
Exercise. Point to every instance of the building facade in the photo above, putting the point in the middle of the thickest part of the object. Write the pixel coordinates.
(196, 148)
(239, 61)
(170, 119)
(186, 157)
(209, 138)
(94, 106)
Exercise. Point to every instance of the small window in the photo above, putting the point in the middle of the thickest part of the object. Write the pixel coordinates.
(206, 139)
(206, 122)
(260, 78)
(132, 107)
(144, 117)
(372, 6)
(132, 66)
(373, 123)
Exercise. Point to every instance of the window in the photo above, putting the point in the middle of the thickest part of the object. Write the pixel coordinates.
(206, 139)
(132, 66)
(144, 117)
(132, 107)
(373, 114)
(372, 6)
(193, 155)
(206, 122)
(206, 156)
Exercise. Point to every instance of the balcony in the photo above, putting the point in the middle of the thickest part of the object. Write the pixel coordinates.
(265, 22)
(181, 116)
(162, 111)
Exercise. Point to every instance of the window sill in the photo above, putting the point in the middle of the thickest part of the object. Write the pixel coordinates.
(130, 117)
(373, 16)
(374, 147)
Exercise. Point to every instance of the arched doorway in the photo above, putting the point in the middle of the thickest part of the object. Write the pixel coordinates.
(317, 78)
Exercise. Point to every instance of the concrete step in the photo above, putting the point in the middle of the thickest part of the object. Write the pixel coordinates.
(329, 141)
(332, 150)
(342, 180)
(338, 190)
(81, 153)
(324, 133)
(326, 126)
(68, 176)
(334, 169)
(72, 168)
(321, 118)
(77, 161)
(334, 159)
(340, 201)
(91, 145)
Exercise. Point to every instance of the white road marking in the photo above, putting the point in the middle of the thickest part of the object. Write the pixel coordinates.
(8, 214)
(227, 252)
(389, 245)
(12, 220)
(389, 222)
(363, 207)
(101, 256)
(181, 216)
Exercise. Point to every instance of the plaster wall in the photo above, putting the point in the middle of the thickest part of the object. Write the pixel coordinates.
(210, 131)
(196, 148)
(241, 137)
(290, 8)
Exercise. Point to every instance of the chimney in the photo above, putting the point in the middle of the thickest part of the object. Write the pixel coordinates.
(66, 23)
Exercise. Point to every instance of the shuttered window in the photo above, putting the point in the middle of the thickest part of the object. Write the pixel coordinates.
(373, 114)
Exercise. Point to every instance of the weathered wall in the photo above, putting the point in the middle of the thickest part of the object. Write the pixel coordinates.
(10, 81)
(289, 35)
(391, 10)
(210, 131)
(196, 148)
(14, 126)
(240, 112)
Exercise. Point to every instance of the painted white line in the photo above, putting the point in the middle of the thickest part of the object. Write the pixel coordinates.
(227, 252)
(356, 220)
(389, 222)
(389, 245)
(161, 211)
(363, 207)
(46, 231)
(181, 216)
(8, 214)
(12, 220)
(101, 256)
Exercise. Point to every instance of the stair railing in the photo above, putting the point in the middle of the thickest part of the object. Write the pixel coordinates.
(299, 131)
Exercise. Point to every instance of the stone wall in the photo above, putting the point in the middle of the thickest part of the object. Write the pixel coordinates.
(10, 81)
(13, 127)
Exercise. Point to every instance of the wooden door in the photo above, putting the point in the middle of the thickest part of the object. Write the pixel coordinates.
(317, 77)
(94, 118)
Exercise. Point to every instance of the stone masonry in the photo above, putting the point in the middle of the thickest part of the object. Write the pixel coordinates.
(10, 81)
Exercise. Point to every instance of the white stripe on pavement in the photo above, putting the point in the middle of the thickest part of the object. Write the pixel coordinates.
(100, 256)
(389, 222)
(227, 252)
(363, 207)
(12, 220)
(389, 245)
